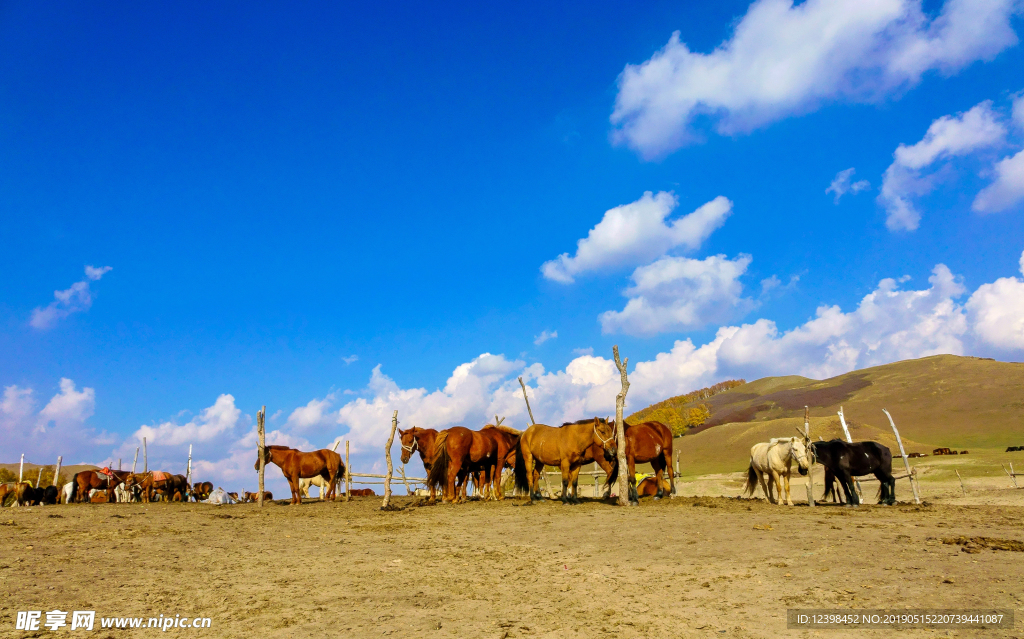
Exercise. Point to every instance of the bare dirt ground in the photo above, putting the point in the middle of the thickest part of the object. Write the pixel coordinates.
(685, 567)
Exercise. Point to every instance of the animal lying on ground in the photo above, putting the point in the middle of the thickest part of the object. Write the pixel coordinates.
(252, 497)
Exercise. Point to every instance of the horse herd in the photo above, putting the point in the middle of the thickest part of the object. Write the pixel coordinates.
(456, 455)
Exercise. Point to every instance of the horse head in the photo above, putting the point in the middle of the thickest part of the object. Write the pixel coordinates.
(798, 451)
(604, 436)
(409, 444)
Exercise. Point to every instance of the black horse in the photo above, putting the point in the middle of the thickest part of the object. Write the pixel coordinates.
(846, 461)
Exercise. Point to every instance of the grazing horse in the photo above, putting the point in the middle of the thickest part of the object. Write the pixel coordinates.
(846, 461)
(295, 464)
(319, 482)
(647, 442)
(775, 458)
(422, 440)
(92, 480)
(458, 452)
(565, 447)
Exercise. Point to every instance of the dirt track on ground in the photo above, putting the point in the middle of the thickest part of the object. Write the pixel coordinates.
(681, 567)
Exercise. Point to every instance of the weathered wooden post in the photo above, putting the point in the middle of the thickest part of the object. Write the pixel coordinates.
(408, 490)
(136, 460)
(119, 463)
(261, 451)
(145, 456)
(39, 480)
(1010, 474)
(348, 474)
(188, 468)
(620, 431)
(21, 469)
(528, 409)
(849, 440)
(964, 490)
(810, 465)
(903, 453)
(387, 455)
(56, 473)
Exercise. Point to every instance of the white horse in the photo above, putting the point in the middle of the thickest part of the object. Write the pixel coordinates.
(319, 482)
(775, 459)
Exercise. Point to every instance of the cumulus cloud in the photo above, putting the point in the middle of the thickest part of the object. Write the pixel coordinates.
(350, 359)
(69, 406)
(212, 421)
(784, 59)
(947, 137)
(997, 312)
(315, 413)
(1007, 190)
(841, 184)
(637, 233)
(679, 293)
(544, 336)
(76, 299)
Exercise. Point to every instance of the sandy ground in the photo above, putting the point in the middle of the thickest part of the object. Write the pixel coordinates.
(686, 567)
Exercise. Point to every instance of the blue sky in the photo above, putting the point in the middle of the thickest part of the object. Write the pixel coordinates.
(291, 197)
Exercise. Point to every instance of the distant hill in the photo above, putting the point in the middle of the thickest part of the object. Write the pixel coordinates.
(939, 401)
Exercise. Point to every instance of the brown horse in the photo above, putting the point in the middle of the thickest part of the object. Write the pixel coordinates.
(422, 440)
(169, 487)
(92, 480)
(505, 439)
(565, 447)
(648, 442)
(248, 497)
(458, 452)
(201, 490)
(296, 464)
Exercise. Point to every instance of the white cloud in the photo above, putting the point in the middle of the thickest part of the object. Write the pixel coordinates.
(214, 420)
(315, 413)
(679, 293)
(841, 184)
(1008, 188)
(785, 59)
(76, 299)
(997, 312)
(637, 233)
(350, 359)
(544, 336)
(18, 404)
(583, 351)
(69, 406)
(947, 137)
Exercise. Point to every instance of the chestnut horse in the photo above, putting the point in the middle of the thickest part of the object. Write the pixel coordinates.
(458, 452)
(169, 487)
(296, 464)
(505, 439)
(248, 497)
(422, 440)
(92, 480)
(202, 490)
(647, 442)
(565, 447)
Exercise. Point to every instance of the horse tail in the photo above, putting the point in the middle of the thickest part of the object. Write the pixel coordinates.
(521, 472)
(614, 475)
(438, 473)
(751, 485)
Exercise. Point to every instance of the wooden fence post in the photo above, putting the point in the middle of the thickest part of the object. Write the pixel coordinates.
(119, 463)
(136, 460)
(387, 454)
(810, 466)
(188, 468)
(903, 453)
(961, 481)
(261, 451)
(56, 473)
(348, 474)
(620, 431)
(21, 469)
(1010, 474)
(408, 490)
(849, 440)
(145, 456)
(39, 480)
(528, 409)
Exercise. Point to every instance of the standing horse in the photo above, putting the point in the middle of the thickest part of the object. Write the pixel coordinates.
(647, 442)
(565, 447)
(505, 439)
(318, 481)
(91, 480)
(460, 451)
(422, 440)
(846, 461)
(169, 487)
(295, 464)
(775, 458)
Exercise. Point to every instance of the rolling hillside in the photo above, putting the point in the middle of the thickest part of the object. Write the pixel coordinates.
(939, 401)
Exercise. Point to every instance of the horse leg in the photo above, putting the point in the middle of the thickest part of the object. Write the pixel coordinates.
(574, 481)
(631, 465)
(566, 480)
(847, 484)
(293, 483)
(659, 474)
(773, 486)
(789, 499)
(764, 484)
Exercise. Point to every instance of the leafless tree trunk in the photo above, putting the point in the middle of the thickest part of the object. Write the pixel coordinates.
(528, 409)
(620, 429)
(387, 455)
(261, 425)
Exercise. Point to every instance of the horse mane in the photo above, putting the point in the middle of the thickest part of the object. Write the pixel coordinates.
(589, 420)
(504, 429)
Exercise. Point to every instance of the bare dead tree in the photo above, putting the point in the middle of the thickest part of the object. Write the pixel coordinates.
(620, 429)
